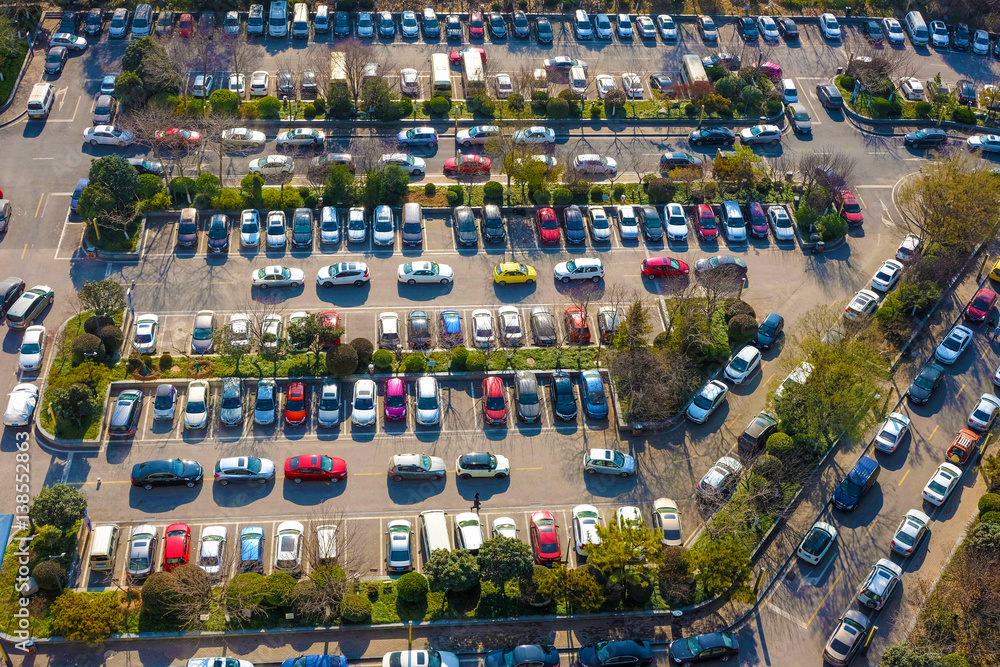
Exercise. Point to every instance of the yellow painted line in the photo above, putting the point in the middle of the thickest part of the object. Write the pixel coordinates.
(932, 433)
(733, 420)
(985, 352)
(959, 390)
(858, 195)
(147, 284)
(878, 239)
(823, 601)
(538, 468)
(39, 207)
(631, 275)
(24, 251)
(869, 531)
(221, 282)
(904, 477)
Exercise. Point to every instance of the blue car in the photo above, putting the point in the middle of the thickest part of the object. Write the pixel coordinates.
(80, 185)
(595, 402)
(316, 661)
(858, 482)
(451, 327)
(252, 549)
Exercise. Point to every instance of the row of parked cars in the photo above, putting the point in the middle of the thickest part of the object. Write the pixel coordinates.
(19, 308)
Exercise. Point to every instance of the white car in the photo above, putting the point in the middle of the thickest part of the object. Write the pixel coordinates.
(667, 523)
(32, 348)
(632, 85)
(301, 136)
(781, 223)
(743, 364)
(196, 407)
(418, 136)
(411, 164)
(409, 81)
(893, 31)
(202, 86)
(20, 405)
(863, 305)
(624, 26)
(892, 432)
(71, 42)
(272, 165)
(760, 134)
(468, 532)
(586, 519)
(953, 345)
(214, 662)
(597, 165)
(910, 532)
(343, 273)
(939, 34)
(768, 28)
(107, 135)
(645, 27)
(231, 24)
(276, 232)
(887, 275)
(816, 542)
(482, 328)
(602, 26)
(706, 401)
(412, 273)
(429, 658)
(364, 408)
(504, 526)
(984, 415)
(720, 478)
(879, 585)
(408, 26)
(277, 276)
(628, 222)
(911, 88)
(212, 550)
(989, 143)
(677, 229)
(239, 330)
(146, 328)
(398, 553)
(942, 483)
(908, 247)
(259, 83)
(605, 83)
(270, 330)
(388, 331)
(829, 26)
(509, 323)
(600, 228)
(981, 42)
(288, 547)
(482, 464)
(607, 462)
(535, 135)
(477, 135)
(328, 408)
(504, 86)
(427, 398)
(584, 268)
(668, 29)
(250, 228)
(242, 137)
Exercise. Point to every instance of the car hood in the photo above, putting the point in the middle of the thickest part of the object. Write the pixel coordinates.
(844, 499)
(231, 414)
(195, 420)
(431, 415)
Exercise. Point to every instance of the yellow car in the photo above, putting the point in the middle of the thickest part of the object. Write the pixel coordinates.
(514, 272)
(995, 271)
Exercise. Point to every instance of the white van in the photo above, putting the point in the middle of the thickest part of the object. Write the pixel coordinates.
(300, 21)
(578, 80)
(582, 22)
(142, 21)
(255, 20)
(321, 22)
(434, 532)
(789, 94)
(917, 27)
(43, 95)
(277, 19)
(103, 547)
(326, 544)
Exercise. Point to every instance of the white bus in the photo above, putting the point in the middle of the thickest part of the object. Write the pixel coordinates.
(338, 67)
(472, 70)
(693, 71)
(440, 74)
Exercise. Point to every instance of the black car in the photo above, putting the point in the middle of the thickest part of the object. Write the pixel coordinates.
(10, 290)
(712, 136)
(525, 655)
(872, 31)
(498, 27)
(144, 166)
(649, 220)
(94, 22)
(309, 84)
(927, 380)
(769, 330)
(662, 82)
(700, 648)
(69, 23)
(960, 42)
(522, 29)
(730, 61)
(576, 231)
(563, 400)
(829, 96)
(125, 414)
(678, 160)
(218, 233)
(787, 27)
(755, 435)
(418, 329)
(932, 137)
(966, 91)
(618, 653)
(302, 228)
(543, 327)
(747, 29)
(543, 30)
(166, 472)
(493, 227)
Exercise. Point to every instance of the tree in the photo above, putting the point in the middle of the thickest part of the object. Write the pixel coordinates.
(244, 595)
(50, 577)
(900, 655)
(319, 597)
(342, 360)
(90, 618)
(721, 564)
(189, 594)
(357, 57)
(452, 571)
(621, 546)
(614, 103)
(130, 91)
(412, 587)
(632, 333)
(739, 169)
(577, 587)
(149, 60)
(339, 186)
(503, 559)
(104, 297)
(227, 348)
(118, 176)
(383, 186)
(58, 505)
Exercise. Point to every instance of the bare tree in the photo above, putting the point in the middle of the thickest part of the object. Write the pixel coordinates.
(582, 297)
(246, 56)
(145, 123)
(357, 57)
(317, 58)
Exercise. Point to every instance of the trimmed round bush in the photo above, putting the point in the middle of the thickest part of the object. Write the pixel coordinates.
(557, 108)
(515, 102)
(597, 194)
(690, 110)
(562, 197)
(458, 190)
(452, 197)
(279, 588)
(404, 107)
(990, 502)
(412, 587)
(309, 111)
(269, 107)
(93, 324)
(542, 197)
(342, 360)
(954, 660)
(990, 517)
(328, 575)
(87, 344)
(181, 185)
(320, 105)
(414, 363)
(617, 191)
(769, 467)
(430, 190)
(742, 329)
(247, 588)
(166, 362)
(772, 108)
(923, 109)
(356, 608)
(383, 360)
(493, 190)
(202, 202)
(476, 361)
(50, 576)
(739, 307)
(112, 337)
(223, 100)
(458, 358)
(661, 190)
(963, 115)
(364, 348)
(439, 106)
(780, 445)
(157, 598)
(638, 588)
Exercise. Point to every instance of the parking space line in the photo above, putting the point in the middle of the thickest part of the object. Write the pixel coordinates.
(825, 598)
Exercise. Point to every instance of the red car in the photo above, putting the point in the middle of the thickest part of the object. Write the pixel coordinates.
(849, 207)
(981, 304)
(494, 401)
(467, 164)
(176, 546)
(576, 325)
(663, 267)
(476, 27)
(455, 57)
(329, 319)
(315, 467)
(705, 223)
(178, 137)
(185, 26)
(545, 538)
(395, 399)
(295, 404)
(548, 225)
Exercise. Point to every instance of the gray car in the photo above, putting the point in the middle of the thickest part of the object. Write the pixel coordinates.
(29, 306)
(798, 118)
(416, 466)
(231, 409)
(204, 330)
(465, 226)
(142, 552)
(529, 407)
(244, 469)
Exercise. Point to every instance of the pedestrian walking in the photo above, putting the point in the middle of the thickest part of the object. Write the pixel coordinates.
(990, 323)
(996, 332)
(475, 502)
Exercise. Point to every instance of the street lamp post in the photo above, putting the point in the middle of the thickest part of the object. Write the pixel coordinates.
(90, 370)
(128, 600)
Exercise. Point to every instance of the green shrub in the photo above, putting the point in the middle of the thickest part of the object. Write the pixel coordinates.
(965, 115)
(279, 588)
(831, 226)
(229, 199)
(542, 197)
(269, 107)
(430, 190)
(562, 197)
(846, 82)
(557, 108)
(476, 361)
(414, 363)
(458, 358)
(493, 190)
(515, 102)
(412, 587)
(246, 591)
(990, 502)
(112, 337)
(918, 298)
(157, 595)
(356, 608)
(716, 72)
(597, 194)
(166, 362)
(50, 576)
(383, 360)
(482, 105)
(320, 105)
(458, 190)
(202, 202)
(452, 198)
(739, 307)
(85, 346)
(923, 109)
(309, 111)
(617, 191)
(341, 360)
(638, 587)
(364, 348)
(772, 108)
(690, 110)
(439, 106)
(883, 108)
(781, 445)
(181, 185)
(954, 660)
(990, 517)
(596, 109)
(149, 186)
(224, 101)
(660, 190)
(742, 329)
(662, 340)
(404, 107)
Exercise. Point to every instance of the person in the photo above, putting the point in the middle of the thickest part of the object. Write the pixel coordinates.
(996, 332)
(991, 323)
(475, 502)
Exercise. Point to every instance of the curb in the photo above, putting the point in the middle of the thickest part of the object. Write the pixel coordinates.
(28, 58)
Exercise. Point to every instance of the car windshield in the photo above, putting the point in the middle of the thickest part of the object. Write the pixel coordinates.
(693, 645)
(571, 266)
(816, 541)
(937, 487)
(739, 364)
(363, 403)
(32, 348)
(850, 488)
(951, 342)
(163, 402)
(703, 401)
(329, 402)
(494, 403)
(356, 223)
(395, 401)
(904, 538)
(924, 381)
(428, 402)
(707, 222)
(196, 407)
(230, 402)
(202, 333)
(249, 227)
(265, 404)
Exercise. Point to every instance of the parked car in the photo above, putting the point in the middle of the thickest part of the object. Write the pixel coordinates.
(699, 648)
(816, 542)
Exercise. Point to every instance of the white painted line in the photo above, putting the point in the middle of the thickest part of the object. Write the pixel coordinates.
(784, 614)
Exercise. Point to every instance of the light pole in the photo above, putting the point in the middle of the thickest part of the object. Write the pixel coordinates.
(128, 600)
(90, 370)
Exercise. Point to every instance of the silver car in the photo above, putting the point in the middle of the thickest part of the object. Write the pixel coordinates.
(328, 412)
(142, 552)
(428, 401)
(204, 330)
(416, 466)
(244, 469)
